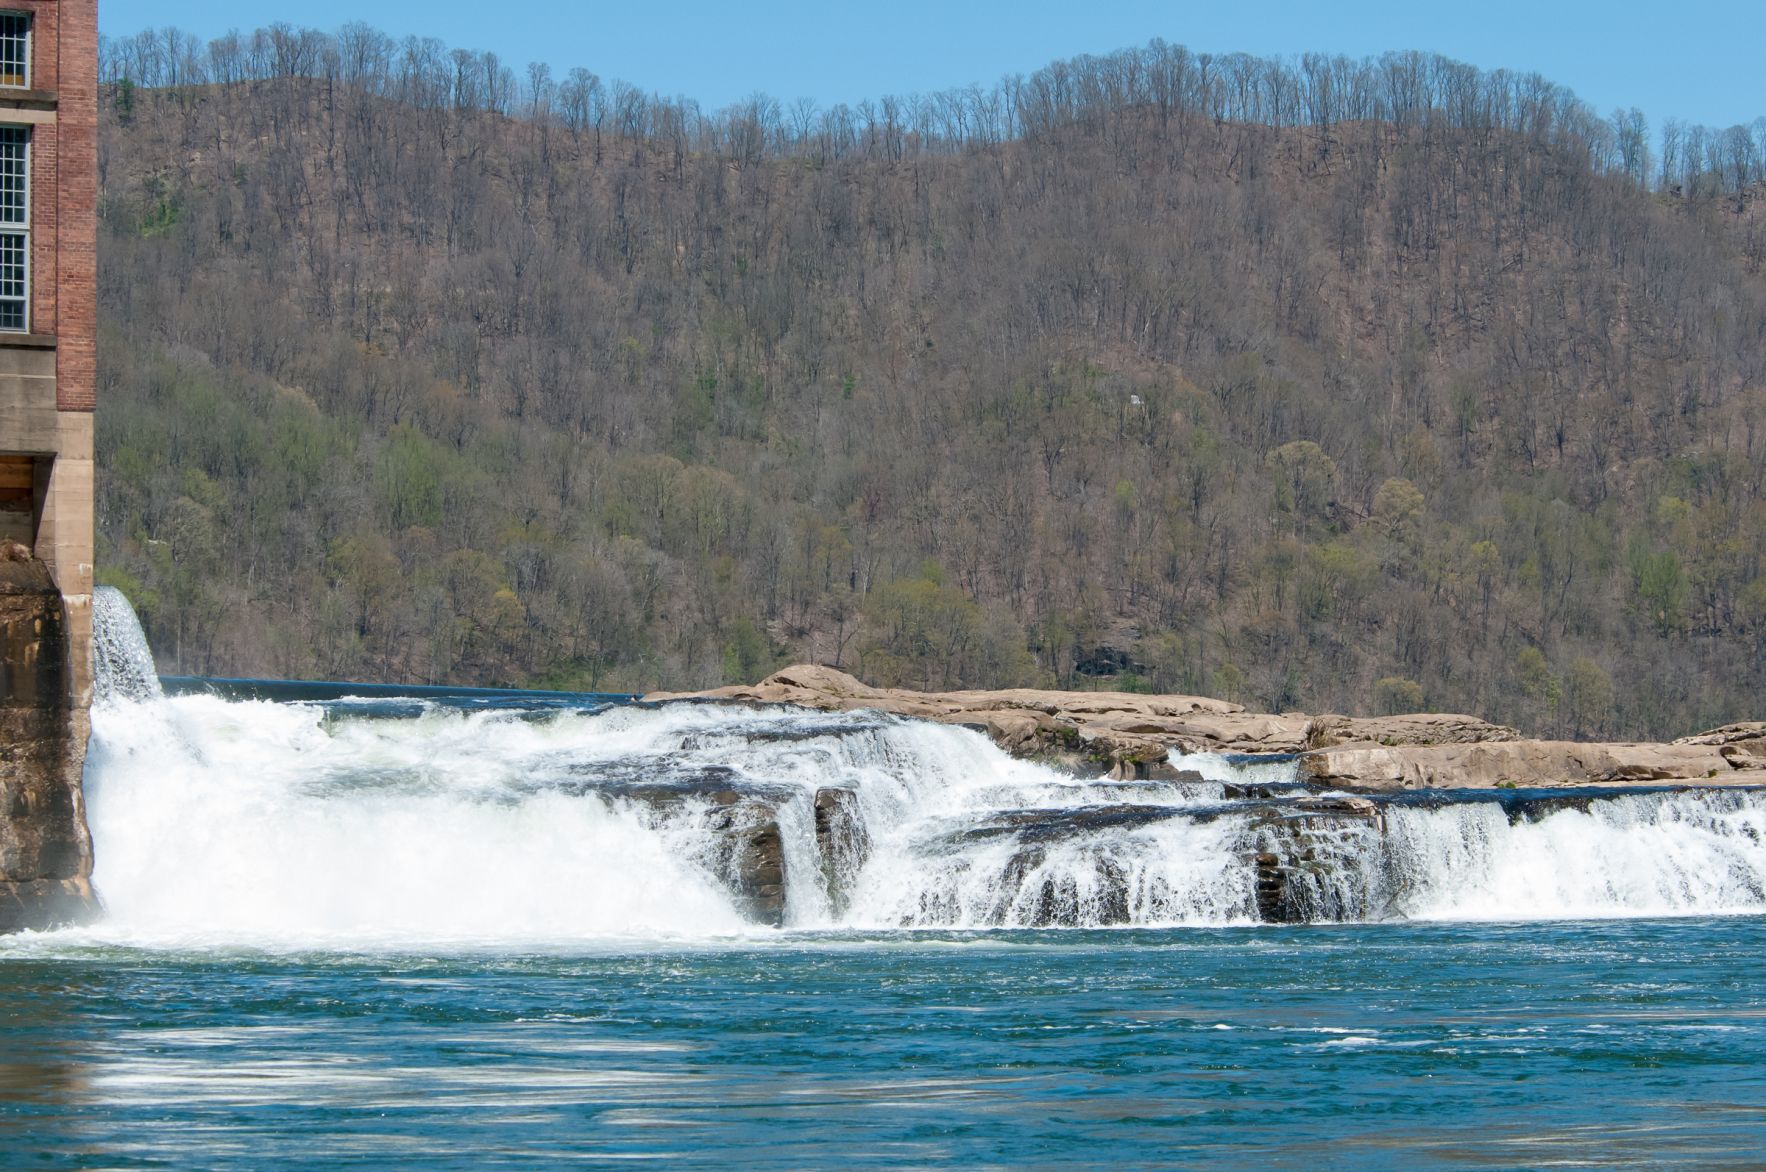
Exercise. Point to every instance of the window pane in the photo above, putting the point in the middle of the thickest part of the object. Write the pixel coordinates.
(14, 48)
(14, 173)
(14, 249)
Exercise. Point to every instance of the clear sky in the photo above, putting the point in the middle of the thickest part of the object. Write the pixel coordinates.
(1705, 62)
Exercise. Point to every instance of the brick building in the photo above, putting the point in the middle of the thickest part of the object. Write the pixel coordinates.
(48, 335)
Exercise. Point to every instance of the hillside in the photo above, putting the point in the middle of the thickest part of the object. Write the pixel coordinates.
(1388, 407)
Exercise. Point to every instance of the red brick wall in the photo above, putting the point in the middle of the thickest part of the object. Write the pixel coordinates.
(75, 300)
(45, 39)
(45, 36)
(64, 190)
(45, 219)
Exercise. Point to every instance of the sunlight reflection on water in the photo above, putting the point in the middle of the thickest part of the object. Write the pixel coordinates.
(1392, 1046)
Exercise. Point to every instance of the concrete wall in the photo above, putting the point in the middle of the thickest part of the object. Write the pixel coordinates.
(31, 424)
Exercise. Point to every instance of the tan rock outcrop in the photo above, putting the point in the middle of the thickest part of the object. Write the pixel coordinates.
(1744, 744)
(1419, 728)
(1126, 733)
(1130, 735)
(1522, 764)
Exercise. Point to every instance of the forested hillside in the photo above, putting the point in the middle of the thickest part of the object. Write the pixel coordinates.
(1331, 385)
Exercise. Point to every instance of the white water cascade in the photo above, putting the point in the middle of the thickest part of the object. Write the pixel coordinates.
(356, 824)
(123, 663)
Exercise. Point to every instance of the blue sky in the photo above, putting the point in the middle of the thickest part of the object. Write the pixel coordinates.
(1702, 62)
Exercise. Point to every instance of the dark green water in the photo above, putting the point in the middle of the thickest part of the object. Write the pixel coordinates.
(1394, 1045)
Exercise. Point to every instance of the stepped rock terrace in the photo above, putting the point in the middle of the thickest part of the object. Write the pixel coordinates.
(1129, 735)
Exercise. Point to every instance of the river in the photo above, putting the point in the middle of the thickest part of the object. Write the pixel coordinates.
(381, 932)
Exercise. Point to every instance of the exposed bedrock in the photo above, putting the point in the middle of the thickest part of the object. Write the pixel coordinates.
(1528, 764)
(1124, 734)
(1130, 736)
(1314, 859)
(843, 842)
(1742, 745)
(45, 850)
(744, 847)
(1116, 852)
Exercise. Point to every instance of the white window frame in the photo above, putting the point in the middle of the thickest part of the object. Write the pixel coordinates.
(23, 232)
(29, 48)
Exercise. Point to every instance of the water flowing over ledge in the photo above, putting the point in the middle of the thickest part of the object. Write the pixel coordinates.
(383, 822)
(313, 824)
(122, 661)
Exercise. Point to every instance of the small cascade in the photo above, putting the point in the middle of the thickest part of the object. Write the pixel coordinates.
(123, 663)
(324, 823)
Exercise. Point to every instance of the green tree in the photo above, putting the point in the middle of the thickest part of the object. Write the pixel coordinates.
(1398, 516)
(1305, 479)
(1661, 589)
(748, 655)
(1533, 674)
(1394, 695)
(1588, 697)
(923, 632)
(410, 481)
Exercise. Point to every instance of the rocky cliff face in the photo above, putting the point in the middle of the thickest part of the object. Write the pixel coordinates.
(45, 850)
(1128, 735)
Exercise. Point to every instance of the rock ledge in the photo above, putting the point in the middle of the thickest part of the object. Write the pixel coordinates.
(1129, 735)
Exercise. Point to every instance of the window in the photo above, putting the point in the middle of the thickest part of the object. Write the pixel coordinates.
(18, 499)
(15, 49)
(15, 227)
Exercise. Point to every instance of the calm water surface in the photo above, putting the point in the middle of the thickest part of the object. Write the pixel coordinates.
(1391, 1045)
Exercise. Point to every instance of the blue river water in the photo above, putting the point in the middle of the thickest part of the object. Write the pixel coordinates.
(1391, 1045)
(346, 927)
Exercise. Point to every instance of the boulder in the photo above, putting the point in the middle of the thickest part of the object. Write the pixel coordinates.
(1020, 732)
(755, 868)
(746, 846)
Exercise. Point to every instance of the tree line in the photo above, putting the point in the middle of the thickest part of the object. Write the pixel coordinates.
(1316, 92)
(410, 373)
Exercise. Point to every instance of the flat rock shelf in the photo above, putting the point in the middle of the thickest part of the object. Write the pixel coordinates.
(1128, 735)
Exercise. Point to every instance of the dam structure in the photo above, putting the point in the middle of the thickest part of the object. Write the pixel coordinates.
(48, 388)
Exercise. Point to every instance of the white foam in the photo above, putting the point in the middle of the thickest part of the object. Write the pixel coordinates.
(259, 823)
(1643, 855)
(254, 823)
(1240, 768)
(123, 663)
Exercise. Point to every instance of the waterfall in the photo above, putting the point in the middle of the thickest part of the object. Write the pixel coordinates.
(123, 663)
(334, 822)
(1646, 854)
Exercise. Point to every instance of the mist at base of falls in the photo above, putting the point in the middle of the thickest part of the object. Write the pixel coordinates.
(296, 825)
